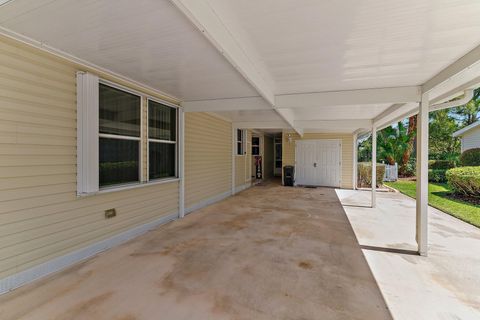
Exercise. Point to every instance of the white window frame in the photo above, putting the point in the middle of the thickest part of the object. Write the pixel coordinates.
(88, 137)
(242, 142)
(162, 141)
(122, 137)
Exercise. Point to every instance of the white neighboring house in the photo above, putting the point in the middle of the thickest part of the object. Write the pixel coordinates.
(469, 136)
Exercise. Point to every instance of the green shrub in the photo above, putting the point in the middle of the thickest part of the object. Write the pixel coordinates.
(441, 164)
(408, 170)
(365, 174)
(470, 157)
(437, 175)
(465, 180)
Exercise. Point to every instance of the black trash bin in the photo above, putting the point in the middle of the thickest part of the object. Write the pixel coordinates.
(288, 172)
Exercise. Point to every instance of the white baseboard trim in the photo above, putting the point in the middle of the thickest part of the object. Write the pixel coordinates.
(242, 187)
(57, 264)
(208, 202)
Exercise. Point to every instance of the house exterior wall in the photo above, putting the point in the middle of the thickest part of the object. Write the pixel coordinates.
(471, 139)
(208, 158)
(288, 154)
(41, 218)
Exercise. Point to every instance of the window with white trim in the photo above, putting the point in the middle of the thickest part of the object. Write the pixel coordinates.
(119, 136)
(240, 142)
(162, 140)
(112, 143)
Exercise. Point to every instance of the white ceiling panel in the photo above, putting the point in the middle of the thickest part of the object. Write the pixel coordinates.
(149, 41)
(349, 112)
(311, 45)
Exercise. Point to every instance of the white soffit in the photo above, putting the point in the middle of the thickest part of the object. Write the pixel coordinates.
(315, 46)
(149, 41)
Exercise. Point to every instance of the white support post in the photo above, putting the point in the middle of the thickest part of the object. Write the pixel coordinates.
(374, 167)
(234, 152)
(422, 177)
(181, 163)
(355, 161)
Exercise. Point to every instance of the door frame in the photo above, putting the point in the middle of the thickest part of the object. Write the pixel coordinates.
(340, 142)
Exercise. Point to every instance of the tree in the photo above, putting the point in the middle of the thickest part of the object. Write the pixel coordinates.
(393, 143)
(442, 144)
(412, 133)
(469, 113)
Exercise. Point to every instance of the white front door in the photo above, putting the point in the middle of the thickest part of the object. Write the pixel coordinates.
(318, 162)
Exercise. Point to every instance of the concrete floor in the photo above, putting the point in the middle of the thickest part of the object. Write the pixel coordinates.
(444, 285)
(270, 252)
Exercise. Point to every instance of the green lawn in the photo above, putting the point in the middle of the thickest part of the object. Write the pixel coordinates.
(437, 197)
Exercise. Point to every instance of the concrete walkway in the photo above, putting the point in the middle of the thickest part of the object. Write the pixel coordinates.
(270, 252)
(444, 285)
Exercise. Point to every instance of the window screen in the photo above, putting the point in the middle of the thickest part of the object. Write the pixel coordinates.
(162, 144)
(119, 136)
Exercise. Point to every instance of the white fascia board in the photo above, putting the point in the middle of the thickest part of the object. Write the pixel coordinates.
(260, 125)
(394, 114)
(248, 103)
(465, 62)
(467, 128)
(349, 97)
(204, 17)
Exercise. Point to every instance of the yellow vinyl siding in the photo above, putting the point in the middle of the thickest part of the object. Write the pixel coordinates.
(208, 157)
(288, 155)
(240, 171)
(40, 215)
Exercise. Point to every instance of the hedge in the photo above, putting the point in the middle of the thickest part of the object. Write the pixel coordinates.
(365, 174)
(465, 180)
(470, 157)
(441, 164)
(437, 175)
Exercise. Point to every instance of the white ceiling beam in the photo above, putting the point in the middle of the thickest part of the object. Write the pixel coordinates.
(349, 97)
(289, 117)
(458, 66)
(240, 56)
(249, 103)
(204, 17)
(261, 125)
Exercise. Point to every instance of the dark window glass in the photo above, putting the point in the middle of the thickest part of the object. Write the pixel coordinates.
(278, 151)
(161, 160)
(162, 121)
(239, 149)
(239, 135)
(278, 163)
(255, 151)
(119, 112)
(118, 161)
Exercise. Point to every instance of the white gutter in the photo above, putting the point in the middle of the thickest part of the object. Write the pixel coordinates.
(468, 95)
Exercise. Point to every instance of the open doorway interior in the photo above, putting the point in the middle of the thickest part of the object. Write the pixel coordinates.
(263, 155)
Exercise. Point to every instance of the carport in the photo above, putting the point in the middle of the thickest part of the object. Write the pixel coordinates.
(308, 70)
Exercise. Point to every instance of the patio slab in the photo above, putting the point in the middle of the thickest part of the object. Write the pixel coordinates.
(270, 252)
(444, 285)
